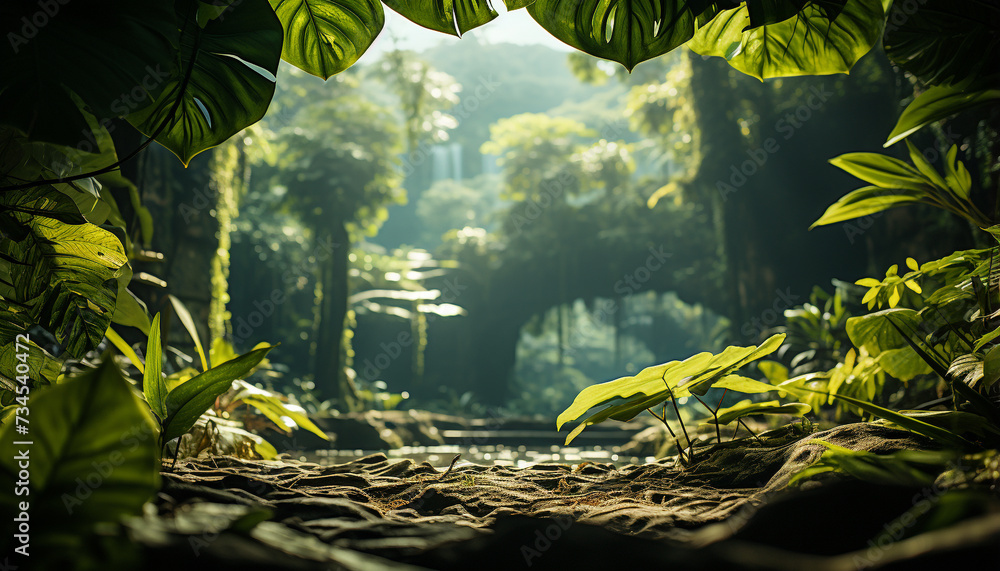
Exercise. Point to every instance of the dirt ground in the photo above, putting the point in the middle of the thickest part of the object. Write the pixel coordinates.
(731, 509)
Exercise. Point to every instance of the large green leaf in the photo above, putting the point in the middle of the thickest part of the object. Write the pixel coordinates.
(881, 170)
(744, 385)
(817, 40)
(875, 331)
(453, 17)
(104, 51)
(231, 82)
(902, 363)
(66, 275)
(42, 367)
(325, 37)
(944, 41)
(628, 396)
(935, 104)
(130, 310)
(193, 397)
(764, 12)
(626, 31)
(41, 201)
(93, 456)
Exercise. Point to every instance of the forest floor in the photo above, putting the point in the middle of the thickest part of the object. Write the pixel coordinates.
(730, 509)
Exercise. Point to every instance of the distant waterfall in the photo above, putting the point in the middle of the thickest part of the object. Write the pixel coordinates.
(456, 161)
(446, 162)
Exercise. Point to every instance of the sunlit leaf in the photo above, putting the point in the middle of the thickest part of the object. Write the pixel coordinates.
(627, 31)
(325, 37)
(628, 396)
(864, 202)
(815, 41)
(905, 467)
(66, 278)
(880, 170)
(126, 350)
(454, 17)
(188, 322)
(517, 4)
(154, 386)
(875, 333)
(902, 363)
(915, 425)
(935, 104)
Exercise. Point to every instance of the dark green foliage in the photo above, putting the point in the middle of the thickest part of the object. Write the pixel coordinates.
(93, 458)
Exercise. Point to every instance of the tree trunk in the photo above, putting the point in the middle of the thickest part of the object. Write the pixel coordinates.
(721, 140)
(328, 370)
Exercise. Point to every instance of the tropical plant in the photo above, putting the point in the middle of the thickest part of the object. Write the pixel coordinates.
(624, 398)
(895, 183)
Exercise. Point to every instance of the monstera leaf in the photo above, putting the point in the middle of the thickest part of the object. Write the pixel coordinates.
(764, 12)
(224, 76)
(453, 17)
(819, 39)
(945, 42)
(325, 37)
(628, 396)
(100, 51)
(627, 31)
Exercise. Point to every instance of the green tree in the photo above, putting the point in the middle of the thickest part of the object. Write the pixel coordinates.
(341, 168)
